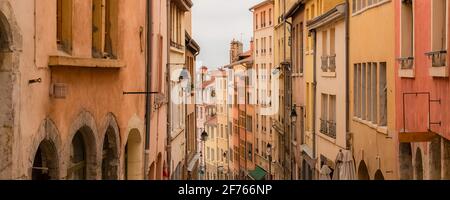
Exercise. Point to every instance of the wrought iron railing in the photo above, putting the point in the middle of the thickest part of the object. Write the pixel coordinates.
(331, 129)
(332, 63)
(323, 126)
(324, 65)
(406, 63)
(176, 45)
(438, 58)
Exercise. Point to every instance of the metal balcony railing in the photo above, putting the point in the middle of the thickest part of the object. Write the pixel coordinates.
(323, 126)
(332, 63)
(324, 65)
(438, 58)
(406, 63)
(332, 129)
(176, 45)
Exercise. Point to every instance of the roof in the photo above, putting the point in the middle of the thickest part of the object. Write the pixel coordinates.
(191, 44)
(261, 4)
(337, 12)
(248, 60)
(291, 12)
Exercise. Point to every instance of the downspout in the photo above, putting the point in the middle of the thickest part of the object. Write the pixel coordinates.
(314, 94)
(347, 82)
(148, 86)
(167, 74)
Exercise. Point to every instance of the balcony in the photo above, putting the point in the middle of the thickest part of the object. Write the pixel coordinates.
(324, 65)
(439, 66)
(332, 63)
(323, 126)
(328, 128)
(328, 66)
(406, 67)
(331, 129)
(176, 45)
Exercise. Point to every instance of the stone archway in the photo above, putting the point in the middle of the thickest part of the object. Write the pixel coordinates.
(82, 160)
(151, 173)
(110, 149)
(133, 156)
(435, 159)
(45, 163)
(159, 167)
(418, 166)
(363, 172)
(406, 166)
(110, 156)
(10, 39)
(446, 164)
(44, 158)
(82, 149)
(379, 175)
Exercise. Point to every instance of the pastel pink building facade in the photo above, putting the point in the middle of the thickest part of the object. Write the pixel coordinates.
(422, 89)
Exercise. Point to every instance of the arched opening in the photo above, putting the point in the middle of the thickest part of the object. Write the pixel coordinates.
(6, 102)
(418, 166)
(82, 155)
(110, 156)
(379, 175)
(363, 173)
(406, 166)
(159, 168)
(133, 156)
(151, 173)
(435, 159)
(446, 175)
(45, 164)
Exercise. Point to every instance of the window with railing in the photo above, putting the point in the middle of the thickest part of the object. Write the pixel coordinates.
(407, 35)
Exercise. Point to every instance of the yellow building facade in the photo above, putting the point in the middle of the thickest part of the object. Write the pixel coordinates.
(372, 89)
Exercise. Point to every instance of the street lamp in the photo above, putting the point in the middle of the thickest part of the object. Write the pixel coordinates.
(204, 138)
(294, 114)
(269, 153)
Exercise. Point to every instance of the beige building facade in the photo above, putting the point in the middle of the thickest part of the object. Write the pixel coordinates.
(67, 116)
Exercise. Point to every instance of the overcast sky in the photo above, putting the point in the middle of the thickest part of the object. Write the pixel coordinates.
(215, 23)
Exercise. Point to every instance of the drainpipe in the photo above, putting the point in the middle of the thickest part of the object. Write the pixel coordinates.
(347, 82)
(314, 93)
(168, 131)
(148, 85)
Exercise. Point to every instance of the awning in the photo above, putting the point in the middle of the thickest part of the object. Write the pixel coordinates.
(258, 174)
(345, 166)
(193, 161)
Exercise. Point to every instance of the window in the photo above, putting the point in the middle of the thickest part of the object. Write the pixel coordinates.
(363, 91)
(370, 92)
(407, 25)
(301, 48)
(257, 46)
(249, 125)
(176, 19)
(270, 16)
(270, 45)
(439, 25)
(103, 29)
(374, 93)
(64, 25)
(256, 20)
(383, 95)
(328, 115)
(212, 154)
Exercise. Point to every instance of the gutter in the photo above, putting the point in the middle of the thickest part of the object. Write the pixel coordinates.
(314, 84)
(347, 73)
(148, 85)
(167, 74)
